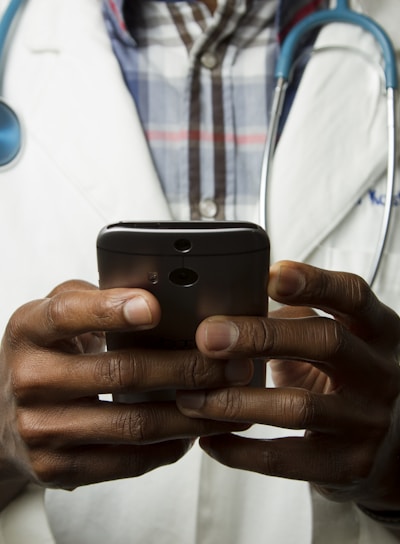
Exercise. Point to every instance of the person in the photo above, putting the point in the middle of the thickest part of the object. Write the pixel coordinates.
(158, 113)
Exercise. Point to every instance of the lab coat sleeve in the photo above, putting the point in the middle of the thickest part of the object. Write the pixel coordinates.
(372, 532)
(335, 522)
(24, 520)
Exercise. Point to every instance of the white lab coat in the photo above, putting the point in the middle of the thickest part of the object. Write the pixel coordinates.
(64, 80)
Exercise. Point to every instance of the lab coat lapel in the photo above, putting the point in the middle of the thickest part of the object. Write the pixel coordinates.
(80, 92)
(338, 118)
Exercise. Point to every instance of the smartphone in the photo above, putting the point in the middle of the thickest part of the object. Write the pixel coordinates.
(195, 269)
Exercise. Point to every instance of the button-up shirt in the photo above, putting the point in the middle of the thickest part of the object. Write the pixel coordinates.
(203, 86)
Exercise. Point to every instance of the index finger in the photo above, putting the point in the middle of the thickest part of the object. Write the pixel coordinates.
(345, 296)
(74, 312)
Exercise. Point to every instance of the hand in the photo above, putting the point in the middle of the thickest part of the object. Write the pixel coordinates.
(55, 430)
(339, 379)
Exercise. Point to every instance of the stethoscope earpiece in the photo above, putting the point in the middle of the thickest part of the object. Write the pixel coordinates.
(10, 134)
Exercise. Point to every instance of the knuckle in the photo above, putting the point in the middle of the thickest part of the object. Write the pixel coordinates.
(271, 462)
(360, 464)
(132, 425)
(96, 307)
(118, 369)
(230, 401)
(136, 465)
(360, 293)
(35, 427)
(56, 470)
(13, 335)
(28, 428)
(355, 466)
(26, 383)
(104, 308)
(317, 285)
(260, 334)
(46, 468)
(354, 288)
(56, 312)
(304, 408)
(333, 339)
(15, 330)
(195, 371)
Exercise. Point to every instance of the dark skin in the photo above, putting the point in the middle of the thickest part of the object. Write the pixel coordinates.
(339, 379)
(55, 431)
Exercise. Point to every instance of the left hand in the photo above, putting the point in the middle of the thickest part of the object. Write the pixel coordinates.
(339, 379)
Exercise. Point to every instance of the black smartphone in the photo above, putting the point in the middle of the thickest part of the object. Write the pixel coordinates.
(195, 269)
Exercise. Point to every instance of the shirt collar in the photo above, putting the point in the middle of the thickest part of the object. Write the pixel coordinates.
(112, 10)
(288, 14)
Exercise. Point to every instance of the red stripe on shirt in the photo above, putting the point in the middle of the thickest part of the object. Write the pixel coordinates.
(117, 14)
(204, 136)
(301, 14)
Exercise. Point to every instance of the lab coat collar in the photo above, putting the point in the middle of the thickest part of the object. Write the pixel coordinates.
(338, 118)
(306, 189)
(63, 76)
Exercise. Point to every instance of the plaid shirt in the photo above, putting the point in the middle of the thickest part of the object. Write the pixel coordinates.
(203, 85)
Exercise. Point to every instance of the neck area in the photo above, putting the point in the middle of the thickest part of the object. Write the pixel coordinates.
(211, 4)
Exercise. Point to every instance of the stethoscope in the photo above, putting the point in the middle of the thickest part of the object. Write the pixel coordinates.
(10, 125)
(340, 14)
(11, 132)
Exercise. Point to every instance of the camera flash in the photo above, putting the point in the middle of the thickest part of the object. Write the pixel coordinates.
(153, 277)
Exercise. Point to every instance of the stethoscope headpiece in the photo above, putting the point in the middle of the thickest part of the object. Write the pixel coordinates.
(10, 134)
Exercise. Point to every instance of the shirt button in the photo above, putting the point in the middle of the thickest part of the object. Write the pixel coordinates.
(209, 60)
(208, 208)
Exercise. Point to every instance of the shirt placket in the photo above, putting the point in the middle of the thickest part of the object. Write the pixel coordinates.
(210, 149)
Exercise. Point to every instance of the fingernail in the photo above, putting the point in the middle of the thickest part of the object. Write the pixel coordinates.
(137, 311)
(221, 335)
(192, 401)
(289, 281)
(238, 371)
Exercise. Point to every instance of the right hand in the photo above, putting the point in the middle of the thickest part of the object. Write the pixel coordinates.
(53, 365)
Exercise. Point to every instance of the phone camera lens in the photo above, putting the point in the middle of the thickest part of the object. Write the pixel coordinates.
(184, 277)
(183, 245)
